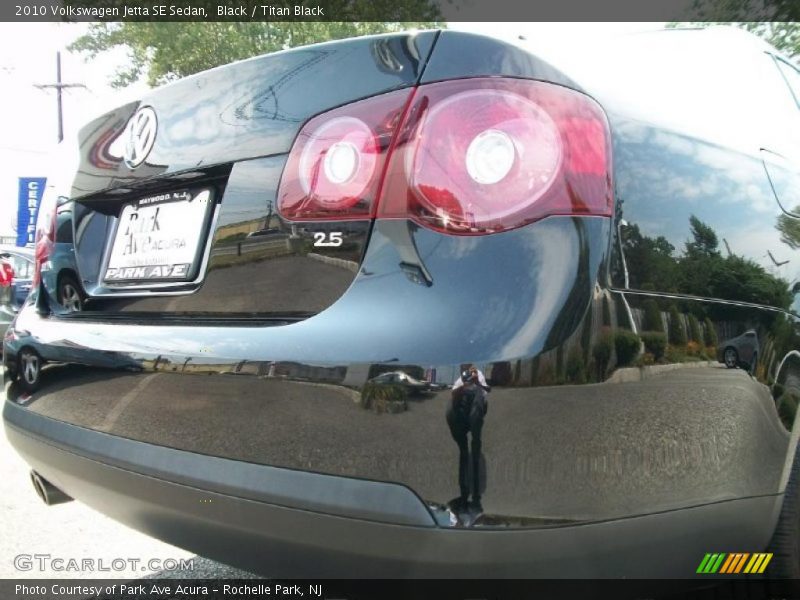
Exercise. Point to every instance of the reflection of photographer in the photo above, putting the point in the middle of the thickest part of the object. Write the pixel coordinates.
(468, 407)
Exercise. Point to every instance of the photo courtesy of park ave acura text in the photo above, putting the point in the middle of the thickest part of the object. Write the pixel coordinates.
(354, 300)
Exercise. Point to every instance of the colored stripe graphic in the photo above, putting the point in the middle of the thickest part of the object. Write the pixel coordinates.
(708, 564)
(718, 563)
(767, 558)
(703, 563)
(734, 563)
(727, 564)
(755, 562)
(730, 564)
(741, 562)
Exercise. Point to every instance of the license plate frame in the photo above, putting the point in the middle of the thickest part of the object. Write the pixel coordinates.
(147, 262)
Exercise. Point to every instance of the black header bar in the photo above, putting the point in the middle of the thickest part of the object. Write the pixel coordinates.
(398, 10)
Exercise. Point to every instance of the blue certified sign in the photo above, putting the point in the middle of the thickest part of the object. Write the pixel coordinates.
(31, 190)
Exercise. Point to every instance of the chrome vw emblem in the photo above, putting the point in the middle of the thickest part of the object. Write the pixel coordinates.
(142, 129)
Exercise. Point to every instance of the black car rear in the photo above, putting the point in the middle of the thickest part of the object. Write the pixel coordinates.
(261, 243)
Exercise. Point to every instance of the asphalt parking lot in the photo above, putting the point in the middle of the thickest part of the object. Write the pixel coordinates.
(39, 541)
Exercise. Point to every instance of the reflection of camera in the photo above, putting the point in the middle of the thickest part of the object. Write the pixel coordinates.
(469, 377)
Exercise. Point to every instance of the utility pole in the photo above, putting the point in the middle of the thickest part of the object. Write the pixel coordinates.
(59, 86)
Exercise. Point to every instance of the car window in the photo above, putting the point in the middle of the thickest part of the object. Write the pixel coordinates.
(23, 269)
(64, 230)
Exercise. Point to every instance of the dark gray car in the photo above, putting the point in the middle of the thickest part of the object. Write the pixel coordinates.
(578, 226)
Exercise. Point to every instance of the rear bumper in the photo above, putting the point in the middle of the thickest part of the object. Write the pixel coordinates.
(285, 523)
(316, 468)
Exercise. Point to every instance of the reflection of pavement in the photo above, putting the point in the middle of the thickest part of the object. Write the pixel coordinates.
(628, 374)
(686, 437)
(282, 284)
(317, 284)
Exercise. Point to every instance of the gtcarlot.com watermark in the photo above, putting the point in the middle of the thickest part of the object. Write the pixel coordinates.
(48, 562)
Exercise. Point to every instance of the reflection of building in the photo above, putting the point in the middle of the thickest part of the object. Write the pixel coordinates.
(288, 370)
(356, 375)
(292, 370)
(237, 231)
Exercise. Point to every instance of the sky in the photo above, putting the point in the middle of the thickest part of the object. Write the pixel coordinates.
(28, 145)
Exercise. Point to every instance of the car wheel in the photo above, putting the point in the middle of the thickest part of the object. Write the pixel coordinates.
(785, 543)
(30, 369)
(730, 357)
(69, 294)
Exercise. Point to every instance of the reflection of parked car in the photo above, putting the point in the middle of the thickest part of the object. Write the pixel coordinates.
(60, 271)
(25, 357)
(414, 386)
(21, 260)
(739, 351)
(265, 233)
(6, 307)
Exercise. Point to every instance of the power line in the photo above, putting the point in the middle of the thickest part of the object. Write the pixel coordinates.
(59, 86)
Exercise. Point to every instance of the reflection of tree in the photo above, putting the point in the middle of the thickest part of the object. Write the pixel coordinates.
(649, 260)
(737, 278)
(790, 229)
(778, 25)
(702, 270)
(704, 241)
(167, 51)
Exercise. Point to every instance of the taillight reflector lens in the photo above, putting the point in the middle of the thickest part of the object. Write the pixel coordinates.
(338, 158)
(471, 156)
(478, 156)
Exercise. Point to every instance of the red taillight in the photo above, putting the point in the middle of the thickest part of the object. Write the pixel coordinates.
(45, 235)
(471, 156)
(338, 159)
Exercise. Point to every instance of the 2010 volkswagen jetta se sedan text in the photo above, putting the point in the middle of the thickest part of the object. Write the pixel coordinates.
(438, 303)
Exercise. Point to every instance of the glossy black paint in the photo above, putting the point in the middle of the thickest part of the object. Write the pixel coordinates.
(585, 423)
(258, 264)
(459, 55)
(295, 395)
(741, 284)
(270, 520)
(253, 109)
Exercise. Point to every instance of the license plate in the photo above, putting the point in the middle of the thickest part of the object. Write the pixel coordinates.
(158, 238)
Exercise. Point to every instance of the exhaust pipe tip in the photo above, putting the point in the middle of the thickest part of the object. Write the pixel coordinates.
(49, 493)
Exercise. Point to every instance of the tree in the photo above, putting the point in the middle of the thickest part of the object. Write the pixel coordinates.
(780, 28)
(676, 332)
(710, 334)
(694, 330)
(627, 344)
(702, 271)
(790, 229)
(784, 36)
(164, 51)
(648, 259)
(704, 241)
(652, 316)
(655, 342)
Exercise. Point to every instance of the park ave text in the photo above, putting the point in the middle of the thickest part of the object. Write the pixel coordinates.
(163, 589)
